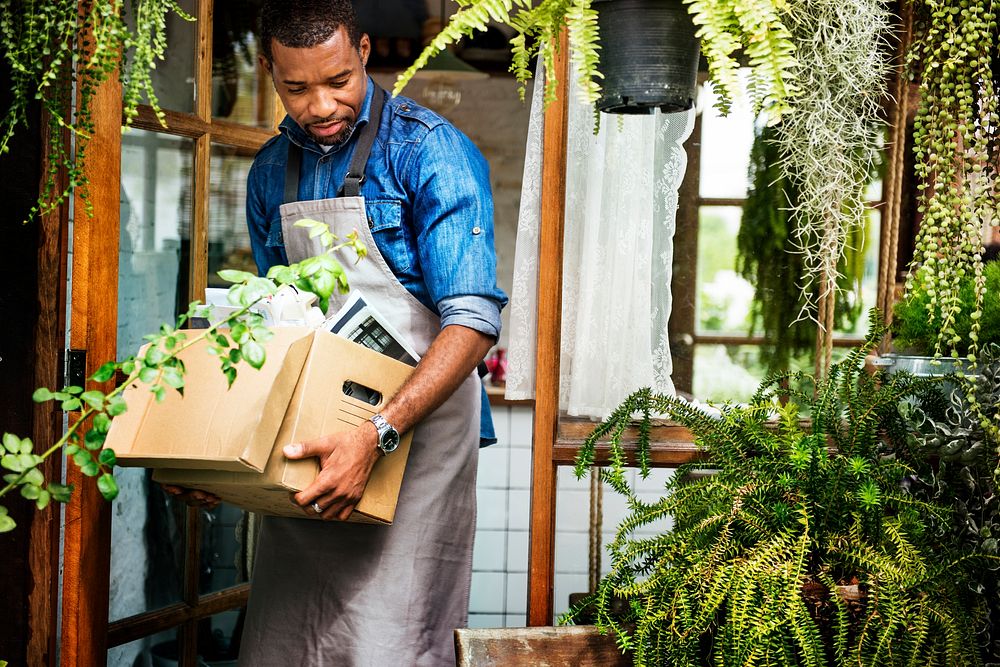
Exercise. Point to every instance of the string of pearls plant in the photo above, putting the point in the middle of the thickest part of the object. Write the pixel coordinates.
(957, 148)
(54, 51)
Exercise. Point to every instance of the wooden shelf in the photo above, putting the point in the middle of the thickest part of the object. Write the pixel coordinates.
(671, 445)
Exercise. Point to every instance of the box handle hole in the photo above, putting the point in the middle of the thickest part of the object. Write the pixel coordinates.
(362, 393)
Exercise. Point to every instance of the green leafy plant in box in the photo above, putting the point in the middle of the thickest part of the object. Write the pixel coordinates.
(799, 546)
(240, 336)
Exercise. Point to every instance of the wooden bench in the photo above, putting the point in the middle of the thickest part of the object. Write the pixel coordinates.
(576, 646)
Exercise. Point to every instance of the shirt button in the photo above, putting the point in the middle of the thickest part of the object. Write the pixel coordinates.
(477, 230)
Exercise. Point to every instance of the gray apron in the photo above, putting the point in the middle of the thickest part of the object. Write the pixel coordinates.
(331, 593)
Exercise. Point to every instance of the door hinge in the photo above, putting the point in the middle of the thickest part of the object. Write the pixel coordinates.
(76, 368)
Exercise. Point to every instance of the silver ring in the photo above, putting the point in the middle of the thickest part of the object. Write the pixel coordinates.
(317, 508)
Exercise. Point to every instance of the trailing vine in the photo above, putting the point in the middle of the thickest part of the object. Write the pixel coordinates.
(240, 336)
(56, 49)
(956, 138)
(767, 258)
(829, 147)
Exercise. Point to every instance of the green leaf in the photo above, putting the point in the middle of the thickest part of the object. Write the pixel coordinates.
(71, 404)
(254, 353)
(317, 230)
(26, 446)
(73, 390)
(154, 356)
(230, 374)
(94, 439)
(93, 398)
(240, 332)
(307, 223)
(159, 393)
(12, 443)
(104, 373)
(108, 486)
(235, 356)
(41, 395)
(234, 276)
(116, 406)
(107, 457)
(90, 468)
(30, 491)
(35, 477)
(6, 525)
(11, 462)
(172, 377)
(60, 492)
(102, 422)
(128, 366)
(72, 449)
(81, 457)
(43, 499)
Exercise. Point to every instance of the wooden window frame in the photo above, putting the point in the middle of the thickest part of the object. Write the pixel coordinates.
(87, 633)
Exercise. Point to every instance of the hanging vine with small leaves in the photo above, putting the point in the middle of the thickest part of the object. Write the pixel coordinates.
(956, 136)
(58, 49)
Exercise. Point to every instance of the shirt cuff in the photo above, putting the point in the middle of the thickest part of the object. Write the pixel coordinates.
(479, 313)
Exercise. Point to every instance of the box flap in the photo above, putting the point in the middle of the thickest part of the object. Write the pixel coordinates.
(210, 426)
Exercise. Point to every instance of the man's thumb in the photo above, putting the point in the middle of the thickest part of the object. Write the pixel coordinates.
(297, 450)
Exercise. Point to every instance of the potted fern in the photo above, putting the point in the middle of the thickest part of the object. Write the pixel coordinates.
(799, 546)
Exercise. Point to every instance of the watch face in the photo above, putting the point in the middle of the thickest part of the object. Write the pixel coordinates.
(390, 441)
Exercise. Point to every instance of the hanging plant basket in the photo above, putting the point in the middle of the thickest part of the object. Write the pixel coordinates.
(649, 57)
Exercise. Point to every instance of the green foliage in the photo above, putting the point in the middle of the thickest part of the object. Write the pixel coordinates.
(830, 149)
(755, 26)
(965, 443)
(917, 323)
(796, 545)
(956, 136)
(768, 260)
(238, 337)
(55, 51)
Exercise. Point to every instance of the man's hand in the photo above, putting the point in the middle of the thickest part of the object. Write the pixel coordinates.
(345, 461)
(193, 497)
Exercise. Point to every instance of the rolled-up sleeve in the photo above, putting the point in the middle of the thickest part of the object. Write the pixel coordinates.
(453, 217)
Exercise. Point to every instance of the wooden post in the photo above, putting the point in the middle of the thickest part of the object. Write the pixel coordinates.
(541, 550)
(93, 327)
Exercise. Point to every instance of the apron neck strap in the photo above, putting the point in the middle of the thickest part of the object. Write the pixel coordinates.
(362, 149)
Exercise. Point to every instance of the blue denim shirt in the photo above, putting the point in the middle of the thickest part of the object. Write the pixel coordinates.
(427, 195)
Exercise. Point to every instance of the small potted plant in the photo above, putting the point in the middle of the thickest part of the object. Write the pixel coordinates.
(917, 323)
(799, 545)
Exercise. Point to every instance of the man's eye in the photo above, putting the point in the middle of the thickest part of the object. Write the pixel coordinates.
(338, 84)
(296, 91)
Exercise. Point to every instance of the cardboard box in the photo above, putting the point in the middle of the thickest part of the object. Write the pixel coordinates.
(321, 402)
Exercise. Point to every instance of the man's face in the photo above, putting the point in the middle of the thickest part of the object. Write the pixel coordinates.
(323, 86)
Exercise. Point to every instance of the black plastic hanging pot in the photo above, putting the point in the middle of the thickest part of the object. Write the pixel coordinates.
(649, 56)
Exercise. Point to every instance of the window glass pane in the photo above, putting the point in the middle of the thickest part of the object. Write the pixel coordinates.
(154, 251)
(225, 530)
(219, 639)
(147, 545)
(160, 650)
(241, 88)
(724, 297)
(174, 76)
(725, 147)
(733, 372)
(228, 240)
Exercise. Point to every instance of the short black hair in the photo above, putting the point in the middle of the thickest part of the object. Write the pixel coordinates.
(305, 23)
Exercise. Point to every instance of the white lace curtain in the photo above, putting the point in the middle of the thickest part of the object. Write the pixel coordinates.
(621, 203)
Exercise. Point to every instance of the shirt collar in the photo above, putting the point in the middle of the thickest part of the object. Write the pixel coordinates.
(302, 138)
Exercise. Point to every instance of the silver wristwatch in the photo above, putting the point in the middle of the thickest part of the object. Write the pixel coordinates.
(388, 437)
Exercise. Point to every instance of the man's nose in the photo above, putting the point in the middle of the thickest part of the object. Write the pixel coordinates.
(323, 103)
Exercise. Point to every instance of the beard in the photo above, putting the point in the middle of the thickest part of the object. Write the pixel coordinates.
(335, 139)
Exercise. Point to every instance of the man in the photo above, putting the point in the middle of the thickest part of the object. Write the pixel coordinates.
(417, 190)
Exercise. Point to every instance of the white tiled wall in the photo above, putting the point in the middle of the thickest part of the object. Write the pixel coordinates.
(500, 560)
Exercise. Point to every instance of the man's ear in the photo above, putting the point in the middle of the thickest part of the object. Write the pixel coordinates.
(264, 62)
(364, 49)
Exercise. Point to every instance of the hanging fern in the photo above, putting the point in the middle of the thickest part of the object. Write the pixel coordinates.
(55, 50)
(757, 28)
(767, 552)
